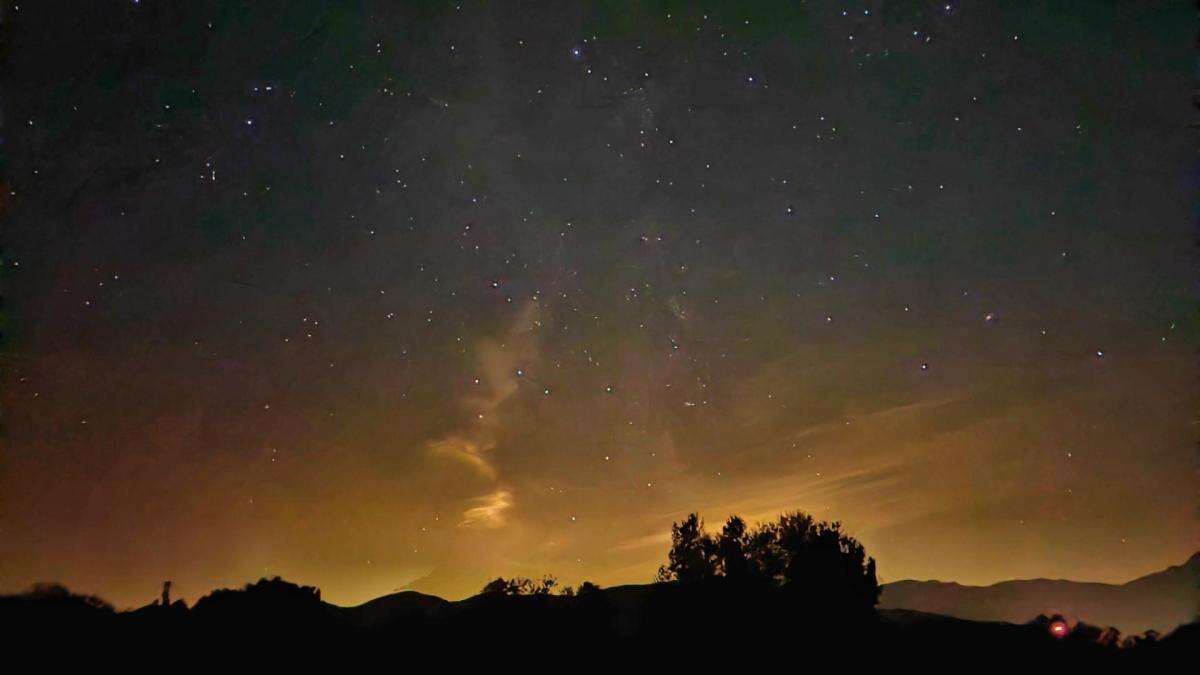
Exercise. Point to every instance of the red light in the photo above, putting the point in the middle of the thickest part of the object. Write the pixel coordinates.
(1059, 629)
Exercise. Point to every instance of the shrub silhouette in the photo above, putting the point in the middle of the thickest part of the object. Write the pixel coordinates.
(57, 593)
(268, 604)
(585, 588)
(274, 590)
(814, 559)
(523, 586)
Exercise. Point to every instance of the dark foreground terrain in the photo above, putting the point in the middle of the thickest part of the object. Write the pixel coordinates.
(714, 617)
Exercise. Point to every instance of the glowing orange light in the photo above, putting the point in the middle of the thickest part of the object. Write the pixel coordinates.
(1058, 629)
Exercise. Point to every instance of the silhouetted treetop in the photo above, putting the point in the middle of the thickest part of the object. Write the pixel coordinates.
(274, 592)
(814, 558)
(523, 586)
(693, 554)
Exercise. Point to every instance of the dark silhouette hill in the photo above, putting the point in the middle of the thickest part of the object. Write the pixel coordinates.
(795, 581)
(395, 607)
(275, 617)
(1159, 601)
(53, 607)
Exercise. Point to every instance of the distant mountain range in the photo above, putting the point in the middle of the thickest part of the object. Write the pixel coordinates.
(1159, 601)
(625, 601)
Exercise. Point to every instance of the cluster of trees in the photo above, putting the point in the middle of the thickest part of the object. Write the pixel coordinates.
(272, 599)
(543, 586)
(815, 559)
(796, 551)
(1085, 632)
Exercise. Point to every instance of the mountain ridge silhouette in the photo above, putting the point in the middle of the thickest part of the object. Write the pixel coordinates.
(270, 614)
(1157, 601)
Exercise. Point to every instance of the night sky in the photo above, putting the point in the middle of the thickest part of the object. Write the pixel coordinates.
(375, 295)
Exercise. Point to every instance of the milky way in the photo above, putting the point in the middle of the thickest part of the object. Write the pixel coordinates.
(373, 296)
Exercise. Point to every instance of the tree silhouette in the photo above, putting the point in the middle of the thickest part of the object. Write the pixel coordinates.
(497, 586)
(731, 549)
(523, 586)
(692, 556)
(274, 591)
(814, 559)
(762, 552)
(545, 586)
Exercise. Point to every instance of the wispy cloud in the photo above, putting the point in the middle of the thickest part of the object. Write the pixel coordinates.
(489, 510)
(467, 450)
(498, 361)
